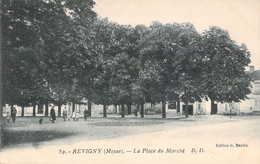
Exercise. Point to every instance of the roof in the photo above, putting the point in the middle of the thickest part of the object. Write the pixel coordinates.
(255, 74)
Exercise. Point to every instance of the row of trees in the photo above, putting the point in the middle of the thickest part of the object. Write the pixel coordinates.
(58, 51)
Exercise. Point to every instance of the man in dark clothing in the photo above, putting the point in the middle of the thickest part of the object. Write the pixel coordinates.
(85, 114)
(53, 116)
(13, 113)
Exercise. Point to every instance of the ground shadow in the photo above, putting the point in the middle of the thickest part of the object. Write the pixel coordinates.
(35, 137)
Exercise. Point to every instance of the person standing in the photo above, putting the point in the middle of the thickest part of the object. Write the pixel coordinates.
(8, 116)
(13, 113)
(69, 117)
(65, 114)
(85, 114)
(53, 116)
(136, 112)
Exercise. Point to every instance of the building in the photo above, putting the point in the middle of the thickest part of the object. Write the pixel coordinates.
(250, 105)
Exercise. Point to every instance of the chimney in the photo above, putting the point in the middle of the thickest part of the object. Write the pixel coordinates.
(251, 68)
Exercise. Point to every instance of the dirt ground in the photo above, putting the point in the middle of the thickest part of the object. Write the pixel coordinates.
(28, 130)
(127, 134)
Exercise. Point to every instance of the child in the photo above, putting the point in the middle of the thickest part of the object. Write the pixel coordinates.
(77, 116)
(8, 116)
(40, 121)
(74, 115)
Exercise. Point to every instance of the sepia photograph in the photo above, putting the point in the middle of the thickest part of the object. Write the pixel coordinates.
(130, 81)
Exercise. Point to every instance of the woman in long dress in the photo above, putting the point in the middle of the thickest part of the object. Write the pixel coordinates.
(53, 116)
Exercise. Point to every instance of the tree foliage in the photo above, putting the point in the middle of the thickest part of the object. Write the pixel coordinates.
(224, 76)
(44, 49)
(58, 51)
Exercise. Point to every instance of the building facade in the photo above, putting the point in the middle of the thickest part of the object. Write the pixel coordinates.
(250, 105)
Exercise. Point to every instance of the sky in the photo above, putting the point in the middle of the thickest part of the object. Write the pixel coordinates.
(240, 17)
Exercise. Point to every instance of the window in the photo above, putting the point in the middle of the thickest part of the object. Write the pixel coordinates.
(172, 105)
(199, 106)
(257, 87)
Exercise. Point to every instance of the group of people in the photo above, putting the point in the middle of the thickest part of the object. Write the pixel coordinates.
(12, 115)
(75, 115)
(66, 116)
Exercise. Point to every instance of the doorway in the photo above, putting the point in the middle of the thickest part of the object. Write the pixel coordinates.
(190, 109)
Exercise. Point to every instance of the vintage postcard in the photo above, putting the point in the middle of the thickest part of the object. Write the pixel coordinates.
(130, 81)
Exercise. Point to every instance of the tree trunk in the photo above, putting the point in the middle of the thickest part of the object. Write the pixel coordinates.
(163, 109)
(104, 110)
(123, 111)
(142, 110)
(129, 109)
(1, 98)
(1, 72)
(11, 110)
(186, 109)
(34, 110)
(1, 107)
(89, 108)
(213, 107)
(46, 109)
(178, 107)
(230, 110)
(22, 113)
(115, 111)
(59, 110)
(73, 107)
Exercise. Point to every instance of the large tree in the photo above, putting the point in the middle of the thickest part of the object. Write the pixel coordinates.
(106, 47)
(171, 57)
(43, 46)
(224, 65)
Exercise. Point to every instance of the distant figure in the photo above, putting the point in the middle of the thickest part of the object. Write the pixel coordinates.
(53, 116)
(136, 112)
(65, 114)
(77, 116)
(85, 114)
(13, 113)
(74, 115)
(8, 116)
(40, 121)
